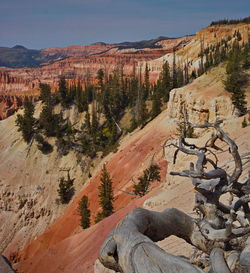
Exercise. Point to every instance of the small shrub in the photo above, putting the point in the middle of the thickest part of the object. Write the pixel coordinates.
(65, 190)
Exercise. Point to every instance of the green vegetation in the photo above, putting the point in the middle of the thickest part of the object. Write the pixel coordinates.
(84, 212)
(106, 196)
(237, 57)
(245, 20)
(109, 100)
(238, 60)
(45, 93)
(149, 175)
(26, 122)
(66, 189)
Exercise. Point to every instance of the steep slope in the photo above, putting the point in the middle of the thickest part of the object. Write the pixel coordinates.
(64, 238)
(29, 182)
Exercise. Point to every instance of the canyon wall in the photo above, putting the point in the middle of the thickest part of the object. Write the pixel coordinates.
(34, 181)
(82, 63)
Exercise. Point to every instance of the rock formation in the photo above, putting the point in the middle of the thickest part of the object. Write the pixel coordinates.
(135, 152)
(42, 230)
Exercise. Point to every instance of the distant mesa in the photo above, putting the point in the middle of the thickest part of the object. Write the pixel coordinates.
(19, 47)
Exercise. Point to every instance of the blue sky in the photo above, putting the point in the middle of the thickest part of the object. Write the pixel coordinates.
(59, 23)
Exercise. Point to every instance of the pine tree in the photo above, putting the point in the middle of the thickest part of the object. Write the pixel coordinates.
(106, 195)
(63, 92)
(45, 93)
(201, 70)
(149, 175)
(146, 83)
(164, 82)
(174, 78)
(26, 122)
(84, 212)
(235, 79)
(156, 103)
(65, 190)
(49, 121)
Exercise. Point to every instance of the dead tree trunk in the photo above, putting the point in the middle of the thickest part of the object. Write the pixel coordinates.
(130, 246)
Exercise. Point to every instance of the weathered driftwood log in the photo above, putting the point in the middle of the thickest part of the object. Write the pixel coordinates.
(130, 247)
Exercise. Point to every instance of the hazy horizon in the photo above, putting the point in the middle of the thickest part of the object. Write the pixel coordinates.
(60, 23)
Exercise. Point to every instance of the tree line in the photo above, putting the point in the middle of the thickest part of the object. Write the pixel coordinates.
(245, 20)
(110, 96)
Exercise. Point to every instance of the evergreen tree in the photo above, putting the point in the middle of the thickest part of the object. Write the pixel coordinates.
(186, 74)
(45, 93)
(87, 122)
(81, 98)
(156, 103)
(233, 85)
(72, 92)
(65, 190)
(95, 124)
(236, 79)
(142, 114)
(106, 195)
(26, 122)
(84, 212)
(63, 92)
(174, 78)
(164, 83)
(146, 83)
(201, 69)
(49, 121)
(149, 175)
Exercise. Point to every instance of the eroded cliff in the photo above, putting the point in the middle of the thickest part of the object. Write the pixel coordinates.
(37, 173)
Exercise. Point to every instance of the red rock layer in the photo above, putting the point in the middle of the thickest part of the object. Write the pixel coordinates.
(10, 104)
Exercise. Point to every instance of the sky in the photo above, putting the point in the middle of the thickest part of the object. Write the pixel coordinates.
(58, 23)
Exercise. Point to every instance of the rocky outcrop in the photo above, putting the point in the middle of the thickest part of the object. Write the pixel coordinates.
(9, 104)
(204, 99)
